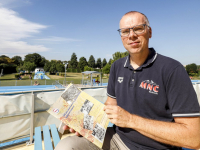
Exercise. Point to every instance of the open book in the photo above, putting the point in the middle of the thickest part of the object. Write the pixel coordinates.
(83, 113)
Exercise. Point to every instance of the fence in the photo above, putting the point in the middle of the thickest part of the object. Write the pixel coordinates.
(42, 82)
(28, 110)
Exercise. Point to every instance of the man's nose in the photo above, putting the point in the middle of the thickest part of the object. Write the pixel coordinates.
(132, 33)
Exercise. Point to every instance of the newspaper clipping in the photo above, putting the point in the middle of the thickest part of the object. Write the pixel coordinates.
(83, 113)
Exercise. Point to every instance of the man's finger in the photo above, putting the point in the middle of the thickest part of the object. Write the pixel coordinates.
(65, 127)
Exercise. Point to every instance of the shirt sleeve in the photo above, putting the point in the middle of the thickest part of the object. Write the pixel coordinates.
(111, 83)
(182, 98)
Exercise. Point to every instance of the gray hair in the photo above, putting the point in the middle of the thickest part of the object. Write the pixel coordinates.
(134, 12)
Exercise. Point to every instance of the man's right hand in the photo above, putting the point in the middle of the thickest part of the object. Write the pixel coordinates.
(65, 127)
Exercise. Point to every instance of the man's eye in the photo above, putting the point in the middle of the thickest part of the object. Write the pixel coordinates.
(125, 31)
(138, 29)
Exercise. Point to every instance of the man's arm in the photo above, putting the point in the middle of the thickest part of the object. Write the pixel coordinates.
(184, 132)
(111, 101)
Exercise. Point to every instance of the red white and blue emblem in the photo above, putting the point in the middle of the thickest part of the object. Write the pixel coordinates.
(56, 110)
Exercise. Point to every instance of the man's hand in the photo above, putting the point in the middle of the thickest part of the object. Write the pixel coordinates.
(118, 115)
(65, 127)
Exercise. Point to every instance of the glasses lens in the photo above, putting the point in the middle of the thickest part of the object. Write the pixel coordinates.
(125, 32)
(139, 29)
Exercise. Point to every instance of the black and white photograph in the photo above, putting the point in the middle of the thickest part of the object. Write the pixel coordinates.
(87, 106)
(71, 93)
(88, 122)
(99, 132)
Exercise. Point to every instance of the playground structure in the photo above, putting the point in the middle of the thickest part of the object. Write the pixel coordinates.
(91, 81)
(40, 75)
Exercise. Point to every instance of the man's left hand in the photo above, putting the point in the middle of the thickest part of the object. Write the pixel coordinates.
(118, 115)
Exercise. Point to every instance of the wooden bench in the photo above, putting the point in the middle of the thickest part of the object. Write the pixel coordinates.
(47, 136)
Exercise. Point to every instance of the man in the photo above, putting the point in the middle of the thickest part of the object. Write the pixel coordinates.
(151, 100)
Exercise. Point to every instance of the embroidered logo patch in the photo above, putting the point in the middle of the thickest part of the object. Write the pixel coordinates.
(151, 86)
(120, 79)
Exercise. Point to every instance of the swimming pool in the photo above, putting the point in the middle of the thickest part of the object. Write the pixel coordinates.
(6, 89)
(195, 80)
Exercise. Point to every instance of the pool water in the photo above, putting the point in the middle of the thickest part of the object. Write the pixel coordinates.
(5, 89)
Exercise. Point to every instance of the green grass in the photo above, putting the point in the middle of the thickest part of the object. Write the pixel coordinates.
(75, 78)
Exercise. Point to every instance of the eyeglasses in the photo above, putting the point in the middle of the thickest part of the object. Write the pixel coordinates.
(139, 29)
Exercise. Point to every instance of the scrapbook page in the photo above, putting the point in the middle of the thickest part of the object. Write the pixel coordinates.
(83, 113)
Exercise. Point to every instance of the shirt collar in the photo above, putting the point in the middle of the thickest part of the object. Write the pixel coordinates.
(150, 59)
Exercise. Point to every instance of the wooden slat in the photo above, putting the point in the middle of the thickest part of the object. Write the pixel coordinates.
(55, 135)
(38, 139)
(47, 138)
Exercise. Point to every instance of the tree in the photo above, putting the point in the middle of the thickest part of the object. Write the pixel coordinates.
(29, 66)
(91, 62)
(52, 68)
(191, 68)
(86, 68)
(34, 58)
(60, 67)
(104, 62)
(110, 61)
(6, 60)
(82, 63)
(98, 64)
(42, 62)
(118, 55)
(106, 69)
(47, 65)
(74, 62)
(17, 60)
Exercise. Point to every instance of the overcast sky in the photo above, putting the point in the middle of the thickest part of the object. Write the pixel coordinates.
(57, 28)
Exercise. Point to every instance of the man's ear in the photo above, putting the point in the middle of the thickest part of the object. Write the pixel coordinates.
(150, 32)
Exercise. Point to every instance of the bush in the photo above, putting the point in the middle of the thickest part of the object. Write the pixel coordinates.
(63, 74)
(8, 68)
(52, 73)
(17, 76)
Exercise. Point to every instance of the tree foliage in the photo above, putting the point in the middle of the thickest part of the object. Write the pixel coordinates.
(91, 62)
(6, 60)
(73, 62)
(82, 63)
(86, 68)
(35, 58)
(60, 67)
(47, 65)
(29, 66)
(104, 62)
(191, 68)
(118, 55)
(17, 60)
(98, 64)
(52, 68)
(106, 68)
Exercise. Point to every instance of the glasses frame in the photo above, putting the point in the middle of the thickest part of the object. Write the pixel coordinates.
(119, 30)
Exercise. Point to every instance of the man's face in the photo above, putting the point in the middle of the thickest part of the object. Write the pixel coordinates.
(133, 43)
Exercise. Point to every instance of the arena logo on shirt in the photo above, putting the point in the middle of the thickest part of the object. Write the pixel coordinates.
(151, 86)
(120, 79)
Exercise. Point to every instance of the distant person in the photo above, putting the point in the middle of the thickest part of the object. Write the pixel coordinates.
(97, 82)
(30, 77)
(151, 100)
(36, 83)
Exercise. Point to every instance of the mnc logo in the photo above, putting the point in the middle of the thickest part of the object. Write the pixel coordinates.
(150, 85)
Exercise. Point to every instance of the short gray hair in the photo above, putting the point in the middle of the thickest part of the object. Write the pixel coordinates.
(134, 12)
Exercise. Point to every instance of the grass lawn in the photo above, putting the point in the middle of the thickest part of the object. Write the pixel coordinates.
(75, 78)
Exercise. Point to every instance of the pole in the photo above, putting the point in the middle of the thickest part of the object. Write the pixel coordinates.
(65, 74)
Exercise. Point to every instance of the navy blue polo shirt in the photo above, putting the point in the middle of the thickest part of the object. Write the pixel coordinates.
(160, 89)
